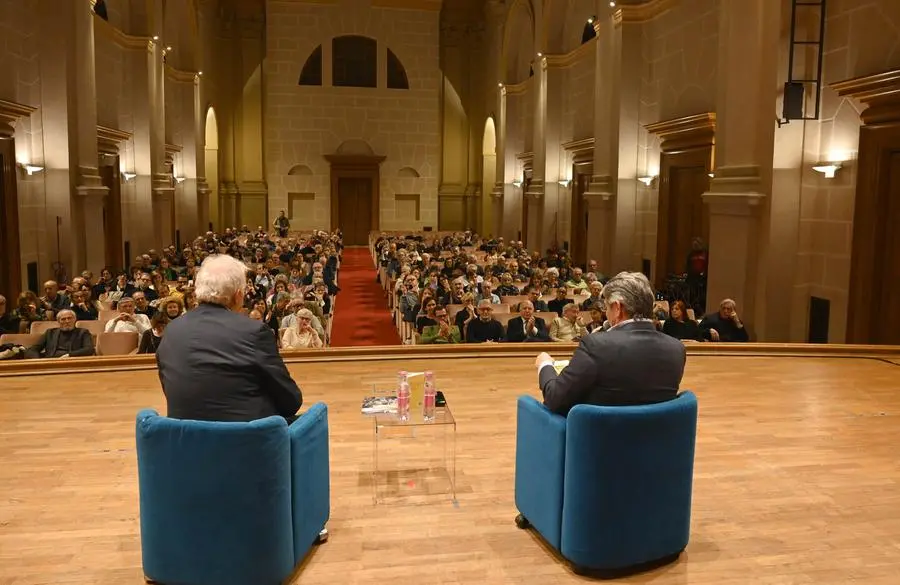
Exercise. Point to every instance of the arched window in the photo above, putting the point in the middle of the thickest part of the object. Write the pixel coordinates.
(396, 74)
(311, 74)
(354, 62)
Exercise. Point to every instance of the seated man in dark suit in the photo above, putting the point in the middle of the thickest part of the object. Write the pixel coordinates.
(526, 327)
(632, 363)
(216, 364)
(484, 329)
(64, 341)
(725, 325)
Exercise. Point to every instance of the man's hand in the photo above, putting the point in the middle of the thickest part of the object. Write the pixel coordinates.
(541, 358)
(713, 335)
(737, 320)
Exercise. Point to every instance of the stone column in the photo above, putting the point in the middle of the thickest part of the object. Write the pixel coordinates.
(89, 186)
(602, 190)
(551, 212)
(503, 187)
(737, 197)
(161, 181)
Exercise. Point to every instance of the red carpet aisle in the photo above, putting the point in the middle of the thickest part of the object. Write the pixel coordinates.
(361, 315)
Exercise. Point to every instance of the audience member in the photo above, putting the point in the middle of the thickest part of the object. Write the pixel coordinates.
(9, 320)
(632, 363)
(568, 327)
(127, 320)
(152, 337)
(64, 341)
(301, 335)
(559, 303)
(527, 326)
(679, 325)
(443, 332)
(484, 329)
(725, 325)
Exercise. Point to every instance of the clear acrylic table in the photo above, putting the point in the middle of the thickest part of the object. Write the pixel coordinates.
(414, 459)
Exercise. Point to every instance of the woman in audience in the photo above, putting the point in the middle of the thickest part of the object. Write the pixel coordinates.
(190, 299)
(173, 307)
(597, 319)
(426, 316)
(152, 337)
(166, 271)
(30, 310)
(679, 325)
(301, 335)
(465, 315)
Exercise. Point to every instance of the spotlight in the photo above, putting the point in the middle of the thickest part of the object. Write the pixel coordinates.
(540, 54)
(155, 37)
(590, 20)
(168, 49)
(612, 4)
(500, 84)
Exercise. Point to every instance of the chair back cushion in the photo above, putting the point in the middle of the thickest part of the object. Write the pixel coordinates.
(215, 500)
(628, 480)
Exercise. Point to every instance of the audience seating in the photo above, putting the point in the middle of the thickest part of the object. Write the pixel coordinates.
(95, 327)
(122, 343)
(41, 327)
(24, 339)
(231, 503)
(608, 487)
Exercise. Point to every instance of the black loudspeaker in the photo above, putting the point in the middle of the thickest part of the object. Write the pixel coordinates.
(566, 245)
(177, 239)
(819, 314)
(793, 101)
(210, 228)
(127, 257)
(645, 267)
(32, 270)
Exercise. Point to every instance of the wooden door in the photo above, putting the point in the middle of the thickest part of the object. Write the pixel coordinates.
(873, 311)
(112, 216)
(688, 218)
(684, 177)
(355, 209)
(579, 220)
(10, 268)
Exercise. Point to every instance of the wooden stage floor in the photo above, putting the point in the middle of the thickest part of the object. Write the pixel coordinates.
(797, 478)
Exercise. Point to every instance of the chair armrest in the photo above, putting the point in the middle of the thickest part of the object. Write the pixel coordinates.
(540, 467)
(310, 488)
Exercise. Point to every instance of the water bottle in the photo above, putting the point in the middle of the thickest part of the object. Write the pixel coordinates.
(402, 376)
(403, 401)
(429, 398)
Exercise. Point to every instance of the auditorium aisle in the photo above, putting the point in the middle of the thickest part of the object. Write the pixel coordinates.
(361, 314)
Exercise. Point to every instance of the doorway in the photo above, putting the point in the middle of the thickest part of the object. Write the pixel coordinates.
(355, 209)
(355, 195)
(581, 182)
(873, 312)
(10, 268)
(683, 215)
(112, 213)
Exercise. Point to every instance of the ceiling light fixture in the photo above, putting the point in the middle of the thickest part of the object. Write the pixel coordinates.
(155, 37)
(612, 4)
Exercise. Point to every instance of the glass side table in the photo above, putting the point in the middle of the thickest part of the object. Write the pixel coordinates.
(415, 459)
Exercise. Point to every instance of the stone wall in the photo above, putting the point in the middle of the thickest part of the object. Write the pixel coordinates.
(302, 124)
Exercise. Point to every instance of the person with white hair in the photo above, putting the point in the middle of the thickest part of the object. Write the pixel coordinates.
(725, 325)
(215, 364)
(64, 341)
(631, 363)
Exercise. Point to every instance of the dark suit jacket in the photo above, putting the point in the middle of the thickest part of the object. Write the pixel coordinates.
(218, 365)
(515, 330)
(630, 364)
(82, 344)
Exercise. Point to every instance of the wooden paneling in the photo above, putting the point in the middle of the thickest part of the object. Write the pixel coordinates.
(795, 478)
(10, 254)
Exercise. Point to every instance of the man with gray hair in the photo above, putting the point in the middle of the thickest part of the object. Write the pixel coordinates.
(632, 363)
(64, 341)
(215, 364)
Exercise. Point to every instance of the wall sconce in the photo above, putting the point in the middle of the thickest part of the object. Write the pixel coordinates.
(179, 180)
(711, 175)
(128, 176)
(647, 181)
(517, 183)
(828, 169)
(565, 183)
(30, 169)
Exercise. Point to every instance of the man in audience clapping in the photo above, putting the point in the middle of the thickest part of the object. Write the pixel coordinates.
(443, 332)
(527, 326)
(484, 329)
(127, 320)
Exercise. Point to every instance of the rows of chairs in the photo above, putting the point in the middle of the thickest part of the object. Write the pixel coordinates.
(105, 344)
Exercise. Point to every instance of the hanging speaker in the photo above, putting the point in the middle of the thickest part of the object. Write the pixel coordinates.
(793, 101)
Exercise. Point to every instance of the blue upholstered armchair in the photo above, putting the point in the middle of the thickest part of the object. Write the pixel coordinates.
(227, 503)
(609, 487)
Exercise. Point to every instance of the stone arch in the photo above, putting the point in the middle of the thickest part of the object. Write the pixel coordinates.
(300, 170)
(518, 42)
(355, 146)
(408, 173)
